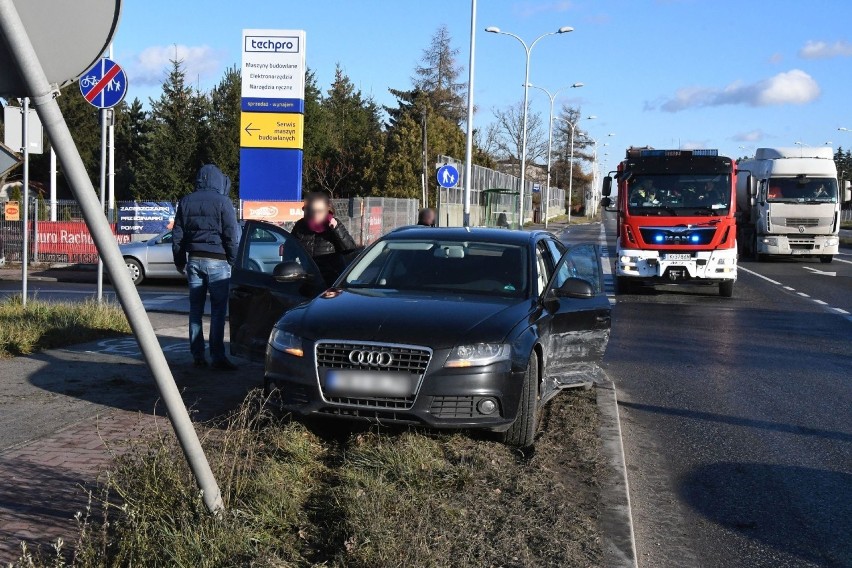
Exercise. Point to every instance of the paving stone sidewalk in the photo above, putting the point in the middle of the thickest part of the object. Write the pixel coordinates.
(64, 413)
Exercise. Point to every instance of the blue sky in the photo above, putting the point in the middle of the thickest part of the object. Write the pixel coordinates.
(719, 74)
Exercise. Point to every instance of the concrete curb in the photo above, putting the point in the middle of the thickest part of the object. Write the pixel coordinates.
(619, 542)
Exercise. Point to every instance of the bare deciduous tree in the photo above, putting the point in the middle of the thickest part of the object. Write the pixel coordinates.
(509, 135)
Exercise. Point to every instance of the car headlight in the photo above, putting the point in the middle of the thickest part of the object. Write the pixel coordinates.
(286, 342)
(478, 355)
(771, 241)
(830, 242)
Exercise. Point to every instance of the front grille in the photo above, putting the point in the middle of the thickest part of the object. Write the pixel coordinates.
(801, 244)
(797, 221)
(409, 359)
(453, 406)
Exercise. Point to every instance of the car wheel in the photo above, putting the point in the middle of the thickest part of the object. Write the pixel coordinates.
(137, 274)
(522, 433)
(726, 289)
(826, 258)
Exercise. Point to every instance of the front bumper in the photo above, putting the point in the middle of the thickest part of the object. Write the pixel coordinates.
(446, 398)
(798, 245)
(708, 266)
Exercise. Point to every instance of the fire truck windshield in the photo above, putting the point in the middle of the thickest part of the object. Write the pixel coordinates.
(672, 194)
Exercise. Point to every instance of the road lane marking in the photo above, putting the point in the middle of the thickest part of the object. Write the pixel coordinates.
(821, 272)
(841, 260)
(825, 305)
(759, 275)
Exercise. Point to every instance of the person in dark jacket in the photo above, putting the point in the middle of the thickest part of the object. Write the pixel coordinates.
(206, 236)
(324, 236)
(427, 218)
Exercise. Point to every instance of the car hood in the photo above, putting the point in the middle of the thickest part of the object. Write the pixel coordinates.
(137, 247)
(434, 321)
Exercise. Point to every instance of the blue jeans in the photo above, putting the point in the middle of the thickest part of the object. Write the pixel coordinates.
(208, 275)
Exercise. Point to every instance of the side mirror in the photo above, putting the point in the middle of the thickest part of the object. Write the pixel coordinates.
(606, 202)
(606, 190)
(575, 288)
(289, 272)
(752, 188)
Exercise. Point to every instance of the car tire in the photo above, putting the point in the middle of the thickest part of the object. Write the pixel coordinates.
(826, 258)
(726, 289)
(521, 433)
(137, 273)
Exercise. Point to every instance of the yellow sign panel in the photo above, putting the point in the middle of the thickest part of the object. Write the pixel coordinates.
(12, 211)
(271, 130)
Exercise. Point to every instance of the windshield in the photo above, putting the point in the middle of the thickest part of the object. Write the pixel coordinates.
(445, 266)
(802, 190)
(671, 194)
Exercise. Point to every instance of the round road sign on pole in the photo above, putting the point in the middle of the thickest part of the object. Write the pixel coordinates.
(448, 176)
(104, 85)
(68, 42)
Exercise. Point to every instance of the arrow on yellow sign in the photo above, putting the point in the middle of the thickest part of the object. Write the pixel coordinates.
(249, 129)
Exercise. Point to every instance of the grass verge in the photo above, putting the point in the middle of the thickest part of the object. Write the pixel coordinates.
(300, 496)
(45, 325)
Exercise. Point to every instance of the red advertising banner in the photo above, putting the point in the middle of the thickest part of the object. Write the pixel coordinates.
(374, 224)
(273, 211)
(68, 242)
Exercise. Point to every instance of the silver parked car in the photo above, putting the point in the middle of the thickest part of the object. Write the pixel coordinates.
(150, 259)
(153, 258)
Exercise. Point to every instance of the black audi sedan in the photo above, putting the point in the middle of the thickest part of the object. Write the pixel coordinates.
(443, 327)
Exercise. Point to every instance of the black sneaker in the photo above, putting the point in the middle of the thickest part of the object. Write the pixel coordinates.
(224, 365)
(200, 363)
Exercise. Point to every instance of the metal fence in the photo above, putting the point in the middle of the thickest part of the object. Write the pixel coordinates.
(67, 240)
(482, 179)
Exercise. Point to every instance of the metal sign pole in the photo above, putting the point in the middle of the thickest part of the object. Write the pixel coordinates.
(468, 158)
(52, 183)
(25, 150)
(103, 114)
(25, 59)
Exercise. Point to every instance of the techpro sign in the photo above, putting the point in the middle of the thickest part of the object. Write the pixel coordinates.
(271, 126)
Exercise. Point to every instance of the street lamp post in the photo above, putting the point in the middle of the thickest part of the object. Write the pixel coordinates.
(528, 50)
(552, 97)
(573, 126)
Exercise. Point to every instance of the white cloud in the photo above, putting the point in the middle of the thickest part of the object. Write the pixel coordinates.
(151, 65)
(533, 8)
(791, 87)
(776, 58)
(749, 136)
(825, 50)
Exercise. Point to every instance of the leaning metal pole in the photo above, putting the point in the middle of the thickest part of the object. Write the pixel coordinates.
(42, 95)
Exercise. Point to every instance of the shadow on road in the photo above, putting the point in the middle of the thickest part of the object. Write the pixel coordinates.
(765, 502)
(737, 421)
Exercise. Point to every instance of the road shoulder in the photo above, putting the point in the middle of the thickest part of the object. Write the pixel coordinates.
(619, 545)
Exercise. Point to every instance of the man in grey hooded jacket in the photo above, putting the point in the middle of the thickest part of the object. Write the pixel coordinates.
(206, 236)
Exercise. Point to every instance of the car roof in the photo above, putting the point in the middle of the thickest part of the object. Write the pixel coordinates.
(501, 236)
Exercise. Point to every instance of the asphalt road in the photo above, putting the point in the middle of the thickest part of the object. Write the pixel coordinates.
(157, 295)
(737, 416)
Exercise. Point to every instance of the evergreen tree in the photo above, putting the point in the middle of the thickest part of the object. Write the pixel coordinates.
(223, 143)
(132, 129)
(437, 75)
(177, 142)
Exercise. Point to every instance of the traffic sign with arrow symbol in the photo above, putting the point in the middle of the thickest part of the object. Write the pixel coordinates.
(249, 129)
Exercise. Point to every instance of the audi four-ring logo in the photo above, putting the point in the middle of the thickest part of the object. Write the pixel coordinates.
(372, 358)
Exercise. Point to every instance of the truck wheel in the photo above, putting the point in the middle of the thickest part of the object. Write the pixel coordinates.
(137, 273)
(726, 288)
(826, 258)
(624, 285)
(522, 433)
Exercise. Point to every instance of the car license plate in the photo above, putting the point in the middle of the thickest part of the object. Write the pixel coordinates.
(801, 251)
(677, 257)
(369, 383)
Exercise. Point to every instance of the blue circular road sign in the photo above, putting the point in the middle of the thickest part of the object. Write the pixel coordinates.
(105, 84)
(448, 176)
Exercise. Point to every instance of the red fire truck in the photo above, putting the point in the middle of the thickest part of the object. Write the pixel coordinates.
(675, 218)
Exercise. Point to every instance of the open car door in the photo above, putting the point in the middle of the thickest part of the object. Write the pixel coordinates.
(272, 274)
(580, 320)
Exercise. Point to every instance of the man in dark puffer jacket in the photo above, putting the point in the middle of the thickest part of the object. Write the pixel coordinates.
(206, 236)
